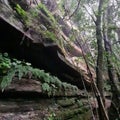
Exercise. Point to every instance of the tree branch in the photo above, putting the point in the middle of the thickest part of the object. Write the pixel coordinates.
(90, 14)
(75, 9)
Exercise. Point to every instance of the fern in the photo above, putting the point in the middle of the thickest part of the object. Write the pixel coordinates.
(45, 87)
(6, 80)
(18, 70)
(50, 84)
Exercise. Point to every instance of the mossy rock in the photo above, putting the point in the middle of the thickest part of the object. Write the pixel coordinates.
(66, 102)
(44, 9)
(84, 116)
(71, 114)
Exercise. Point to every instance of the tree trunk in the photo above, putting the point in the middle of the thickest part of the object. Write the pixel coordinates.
(100, 51)
(114, 112)
(99, 69)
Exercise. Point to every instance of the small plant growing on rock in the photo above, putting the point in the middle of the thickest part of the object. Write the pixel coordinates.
(11, 68)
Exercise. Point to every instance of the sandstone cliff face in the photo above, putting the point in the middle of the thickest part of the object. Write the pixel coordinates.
(35, 37)
(25, 100)
(31, 33)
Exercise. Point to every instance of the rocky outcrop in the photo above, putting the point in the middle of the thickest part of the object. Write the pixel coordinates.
(29, 37)
(34, 109)
(25, 99)
(31, 34)
(27, 87)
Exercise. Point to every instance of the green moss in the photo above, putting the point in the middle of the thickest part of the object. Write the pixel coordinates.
(66, 102)
(33, 13)
(22, 14)
(43, 8)
(32, 19)
(84, 116)
(72, 114)
(50, 35)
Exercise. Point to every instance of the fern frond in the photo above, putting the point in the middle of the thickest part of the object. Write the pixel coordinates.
(6, 80)
(50, 84)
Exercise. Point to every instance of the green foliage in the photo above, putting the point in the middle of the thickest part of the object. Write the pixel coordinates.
(80, 103)
(107, 86)
(6, 80)
(51, 117)
(46, 88)
(43, 8)
(34, 13)
(51, 84)
(5, 63)
(21, 12)
(50, 35)
(11, 68)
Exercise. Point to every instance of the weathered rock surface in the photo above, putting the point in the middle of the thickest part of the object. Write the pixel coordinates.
(34, 47)
(25, 99)
(27, 87)
(23, 109)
